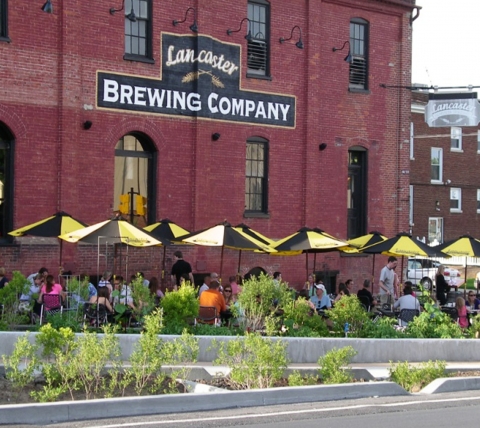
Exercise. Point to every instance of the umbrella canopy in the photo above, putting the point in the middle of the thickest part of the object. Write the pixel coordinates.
(464, 245)
(116, 230)
(403, 245)
(310, 240)
(53, 226)
(225, 236)
(166, 230)
(367, 240)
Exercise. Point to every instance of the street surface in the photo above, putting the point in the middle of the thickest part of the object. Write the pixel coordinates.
(437, 411)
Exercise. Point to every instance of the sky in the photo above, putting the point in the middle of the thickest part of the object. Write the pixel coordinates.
(446, 39)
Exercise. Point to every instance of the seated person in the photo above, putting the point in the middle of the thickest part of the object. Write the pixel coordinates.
(105, 281)
(365, 294)
(125, 296)
(205, 286)
(462, 313)
(342, 291)
(407, 301)
(50, 287)
(213, 297)
(472, 302)
(102, 298)
(321, 300)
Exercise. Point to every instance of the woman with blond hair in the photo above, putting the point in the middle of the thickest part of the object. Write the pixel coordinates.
(462, 312)
(441, 285)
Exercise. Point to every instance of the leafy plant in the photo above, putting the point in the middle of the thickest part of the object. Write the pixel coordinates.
(260, 298)
(433, 323)
(296, 379)
(255, 361)
(21, 365)
(333, 365)
(414, 378)
(348, 310)
(53, 340)
(301, 320)
(9, 298)
(179, 307)
(383, 328)
(143, 300)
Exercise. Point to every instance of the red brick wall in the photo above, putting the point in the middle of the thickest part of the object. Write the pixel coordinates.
(48, 89)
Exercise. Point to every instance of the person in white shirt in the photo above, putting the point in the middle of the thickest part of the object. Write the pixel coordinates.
(206, 284)
(407, 301)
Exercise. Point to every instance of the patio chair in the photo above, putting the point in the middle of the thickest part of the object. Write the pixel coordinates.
(407, 315)
(365, 302)
(94, 315)
(208, 315)
(51, 304)
(451, 312)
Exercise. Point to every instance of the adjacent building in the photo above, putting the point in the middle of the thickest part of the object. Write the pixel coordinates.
(271, 113)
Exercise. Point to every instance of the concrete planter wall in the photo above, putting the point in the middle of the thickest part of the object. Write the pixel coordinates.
(308, 350)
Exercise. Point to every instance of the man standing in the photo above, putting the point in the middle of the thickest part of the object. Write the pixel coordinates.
(387, 281)
(180, 267)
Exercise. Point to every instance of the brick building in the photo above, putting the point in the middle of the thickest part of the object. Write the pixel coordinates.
(444, 179)
(205, 124)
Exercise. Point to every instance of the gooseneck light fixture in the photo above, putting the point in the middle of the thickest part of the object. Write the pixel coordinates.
(248, 35)
(47, 7)
(299, 44)
(194, 26)
(348, 58)
(131, 16)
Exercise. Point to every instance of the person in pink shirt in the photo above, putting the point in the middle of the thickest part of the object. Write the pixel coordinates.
(50, 287)
(462, 312)
(234, 285)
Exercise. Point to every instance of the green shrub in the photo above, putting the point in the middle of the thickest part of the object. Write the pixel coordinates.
(260, 298)
(179, 308)
(255, 361)
(382, 328)
(333, 365)
(433, 323)
(414, 378)
(348, 310)
(21, 365)
(302, 321)
(296, 379)
(9, 298)
(211, 330)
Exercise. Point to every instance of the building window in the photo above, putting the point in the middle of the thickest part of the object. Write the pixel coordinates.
(435, 230)
(6, 184)
(134, 192)
(256, 176)
(478, 200)
(436, 164)
(357, 192)
(412, 138)
(410, 206)
(478, 141)
(138, 34)
(3, 20)
(359, 51)
(456, 138)
(258, 48)
(455, 199)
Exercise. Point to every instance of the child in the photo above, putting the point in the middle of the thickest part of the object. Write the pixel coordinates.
(462, 312)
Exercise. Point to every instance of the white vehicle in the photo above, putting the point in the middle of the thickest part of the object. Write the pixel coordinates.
(422, 271)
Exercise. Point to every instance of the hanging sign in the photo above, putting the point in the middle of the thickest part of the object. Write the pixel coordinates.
(200, 77)
(461, 109)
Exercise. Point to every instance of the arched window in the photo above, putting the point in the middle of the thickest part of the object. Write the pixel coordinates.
(6, 183)
(135, 183)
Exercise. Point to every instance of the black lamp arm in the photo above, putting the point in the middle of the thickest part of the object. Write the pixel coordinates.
(291, 34)
(175, 22)
(341, 49)
(229, 32)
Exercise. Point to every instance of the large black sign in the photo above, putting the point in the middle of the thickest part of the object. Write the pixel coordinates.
(200, 76)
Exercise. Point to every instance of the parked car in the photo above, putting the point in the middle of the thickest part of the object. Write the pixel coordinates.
(422, 271)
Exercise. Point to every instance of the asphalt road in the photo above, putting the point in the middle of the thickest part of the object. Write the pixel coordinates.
(461, 409)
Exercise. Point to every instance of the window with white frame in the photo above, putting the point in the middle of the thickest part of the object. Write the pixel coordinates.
(455, 199)
(478, 200)
(456, 138)
(412, 136)
(435, 230)
(410, 207)
(436, 160)
(478, 141)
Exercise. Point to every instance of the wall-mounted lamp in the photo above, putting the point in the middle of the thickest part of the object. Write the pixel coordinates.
(215, 136)
(131, 16)
(348, 58)
(299, 44)
(322, 147)
(448, 182)
(437, 205)
(87, 124)
(249, 34)
(194, 26)
(47, 7)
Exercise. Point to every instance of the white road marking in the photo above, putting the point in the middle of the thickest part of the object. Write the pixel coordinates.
(290, 412)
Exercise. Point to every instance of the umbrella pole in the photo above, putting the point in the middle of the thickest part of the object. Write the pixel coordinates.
(61, 251)
(306, 263)
(163, 266)
(465, 285)
(373, 272)
(221, 265)
(239, 261)
(314, 262)
(400, 281)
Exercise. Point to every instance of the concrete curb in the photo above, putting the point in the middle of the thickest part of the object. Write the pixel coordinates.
(452, 385)
(46, 413)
